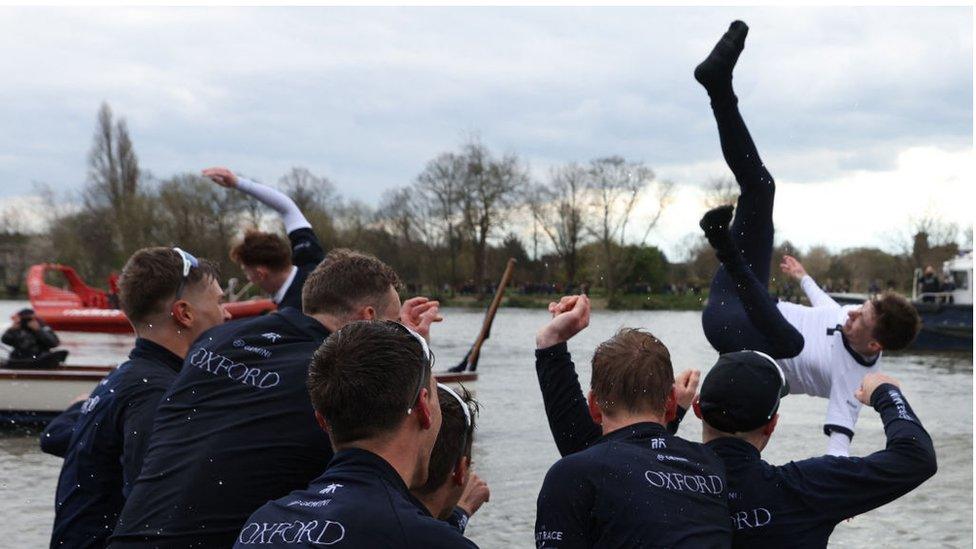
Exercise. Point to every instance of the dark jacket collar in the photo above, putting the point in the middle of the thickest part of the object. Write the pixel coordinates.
(358, 460)
(734, 448)
(645, 429)
(303, 322)
(150, 350)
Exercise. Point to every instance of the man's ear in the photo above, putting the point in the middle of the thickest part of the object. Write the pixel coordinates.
(320, 419)
(366, 313)
(874, 346)
(595, 412)
(423, 409)
(182, 313)
(671, 407)
(696, 406)
(261, 273)
(460, 473)
(771, 426)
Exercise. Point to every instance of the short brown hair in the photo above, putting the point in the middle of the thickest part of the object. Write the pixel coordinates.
(632, 373)
(454, 430)
(896, 321)
(344, 280)
(262, 249)
(151, 278)
(363, 377)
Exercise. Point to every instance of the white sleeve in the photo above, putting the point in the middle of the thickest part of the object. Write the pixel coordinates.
(839, 445)
(817, 297)
(843, 409)
(276, 200)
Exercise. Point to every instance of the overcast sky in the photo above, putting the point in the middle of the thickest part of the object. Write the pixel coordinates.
(863, 115)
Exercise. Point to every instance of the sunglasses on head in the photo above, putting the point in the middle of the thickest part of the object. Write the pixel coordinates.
(465, 409)
(189, 262)
(427, 365)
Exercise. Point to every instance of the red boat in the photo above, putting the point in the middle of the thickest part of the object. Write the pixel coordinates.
(81, 308)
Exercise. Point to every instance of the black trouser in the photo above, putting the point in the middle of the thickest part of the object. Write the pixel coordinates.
(740, 312)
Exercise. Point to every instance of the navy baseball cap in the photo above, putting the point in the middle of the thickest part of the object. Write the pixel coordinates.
(742, 391)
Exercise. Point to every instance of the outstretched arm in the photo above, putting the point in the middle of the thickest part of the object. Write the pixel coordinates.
(842, 487)
(817, 297)
(273, 198)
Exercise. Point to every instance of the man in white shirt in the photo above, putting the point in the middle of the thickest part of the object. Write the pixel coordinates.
(825, 350)
(267, 261)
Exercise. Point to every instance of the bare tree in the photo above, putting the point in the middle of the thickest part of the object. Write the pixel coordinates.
(198, 215)
(616, 187)
(317, 198)
(721, 191)
(491, 188)
(114, 182)
(442, 186)
(816, 261)
(558, 209)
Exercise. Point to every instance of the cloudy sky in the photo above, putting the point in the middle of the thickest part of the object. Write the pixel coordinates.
(863, 115)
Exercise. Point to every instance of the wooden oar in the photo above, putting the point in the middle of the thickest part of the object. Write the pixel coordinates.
(470, 360)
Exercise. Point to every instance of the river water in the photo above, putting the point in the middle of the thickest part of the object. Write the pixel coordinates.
(514, 449)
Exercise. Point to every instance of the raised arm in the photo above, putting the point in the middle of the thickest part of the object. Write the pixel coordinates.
(842, 487)
(817, 297)
(566, 408)
(273, 198)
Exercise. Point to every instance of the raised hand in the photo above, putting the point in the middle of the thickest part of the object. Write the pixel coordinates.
(476, 493)
(418, 313)
(569, 317)
(870, 383)
(792, 267)
(686, 387)
(222, 177)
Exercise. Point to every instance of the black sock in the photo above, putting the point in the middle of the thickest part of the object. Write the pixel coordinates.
(715, 72)
(715, 223)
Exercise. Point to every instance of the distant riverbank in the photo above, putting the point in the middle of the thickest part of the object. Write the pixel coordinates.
(621, 302)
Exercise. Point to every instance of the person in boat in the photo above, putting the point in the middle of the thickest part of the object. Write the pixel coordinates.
(624, 480)
(237, 428)
(268, 262)
(800, 503)
(373, 388)
(930, 284)
(31, 340)
(824, 349)
(453, 492)
(170, 297)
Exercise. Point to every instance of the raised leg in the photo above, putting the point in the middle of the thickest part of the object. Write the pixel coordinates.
(740, 313)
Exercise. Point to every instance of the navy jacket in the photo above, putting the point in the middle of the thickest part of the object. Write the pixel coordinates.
(235, 430)
(107, 446)
(798, 504)
(56, 437)
(306, 254)
(360, 502)
(639, 486)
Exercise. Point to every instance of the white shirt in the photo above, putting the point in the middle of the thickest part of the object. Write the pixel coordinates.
(280, 294)
(825, 367)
